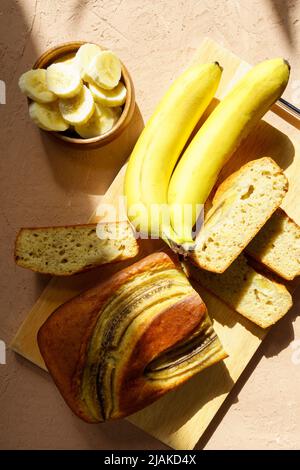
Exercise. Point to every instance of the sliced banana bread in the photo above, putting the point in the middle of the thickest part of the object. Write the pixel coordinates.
(241, 206)
(63, 251)
(253, 295)
(277, 245)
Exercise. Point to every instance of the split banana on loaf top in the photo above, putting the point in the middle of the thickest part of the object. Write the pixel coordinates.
(124, 343)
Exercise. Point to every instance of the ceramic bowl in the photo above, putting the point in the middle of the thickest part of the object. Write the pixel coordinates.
(70, 137)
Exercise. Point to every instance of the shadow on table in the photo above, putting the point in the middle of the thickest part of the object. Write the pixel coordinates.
(283, 12)
(230, 400)
(282, 334)
(91, 171)
(118, 435)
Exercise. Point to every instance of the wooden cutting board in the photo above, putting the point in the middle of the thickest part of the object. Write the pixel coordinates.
(180, 418)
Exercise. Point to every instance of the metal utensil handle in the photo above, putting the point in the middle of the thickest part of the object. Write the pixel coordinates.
(289, 107)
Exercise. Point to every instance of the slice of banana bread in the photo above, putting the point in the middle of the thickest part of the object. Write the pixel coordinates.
(63, 251)
(241, 206)
(253, 295)
(277, 245)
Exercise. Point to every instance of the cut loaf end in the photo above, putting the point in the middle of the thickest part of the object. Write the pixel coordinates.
(277, 245)
(63, 251)
(253, 295)
(240, 207)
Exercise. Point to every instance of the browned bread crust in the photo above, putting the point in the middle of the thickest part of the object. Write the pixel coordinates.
(65, 340)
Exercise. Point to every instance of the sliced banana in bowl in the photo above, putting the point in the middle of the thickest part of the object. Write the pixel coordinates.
(33, 84)
(85, 94)
(64, 79)
(110, 98)
(101, 122)
(79, 109)
(47, 116)
(109, 117)
(84, 56)
(104, 70)
(92, 128)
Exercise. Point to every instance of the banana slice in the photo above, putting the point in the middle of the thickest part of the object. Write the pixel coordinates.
(47, 116)
(110, 98)
(33, 84)
(102, 121)
(104, 70)
(92, 128)
(109, 117)
(63, 80)
(79, 109)
(84, 56)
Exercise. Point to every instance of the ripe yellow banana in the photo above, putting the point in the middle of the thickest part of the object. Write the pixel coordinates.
(161, 142)
(229, 123)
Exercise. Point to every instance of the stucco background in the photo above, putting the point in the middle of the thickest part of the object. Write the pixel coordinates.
(42, 184)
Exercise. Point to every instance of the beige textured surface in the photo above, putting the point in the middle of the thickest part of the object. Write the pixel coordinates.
(180, 418)
(53, 188)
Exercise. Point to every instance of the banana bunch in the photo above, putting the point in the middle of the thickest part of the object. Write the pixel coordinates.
(230, 123)
(154, 182)
(82, 90)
